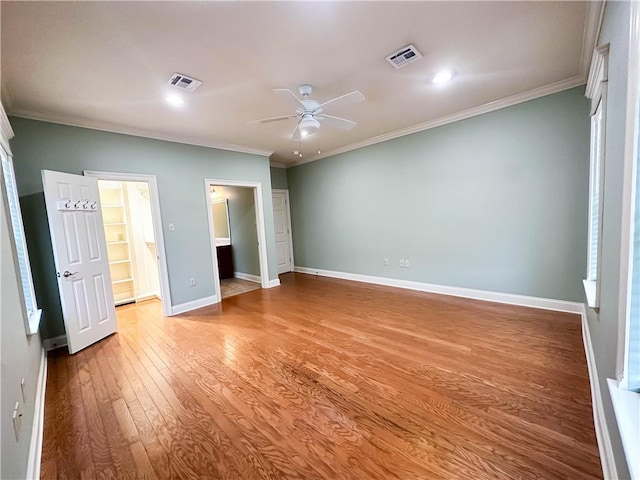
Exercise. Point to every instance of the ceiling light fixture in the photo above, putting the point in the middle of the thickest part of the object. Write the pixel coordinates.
(307, 125)
(175, 100)
(442, 77)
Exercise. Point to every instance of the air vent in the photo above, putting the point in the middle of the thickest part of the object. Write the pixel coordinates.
(183, 82)
(404, 56)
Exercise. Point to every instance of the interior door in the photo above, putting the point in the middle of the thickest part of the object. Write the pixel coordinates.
(80, 254)
(283, 234)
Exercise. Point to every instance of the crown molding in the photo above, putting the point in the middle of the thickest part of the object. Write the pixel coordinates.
(138, 132)
(471, 112)
(591, 32)
(277, 165)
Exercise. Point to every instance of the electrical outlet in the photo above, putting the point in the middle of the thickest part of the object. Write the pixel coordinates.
(406, 263)
(192, 282)
(386, 262)
(17, 420)
(402, 263)
(23, 388)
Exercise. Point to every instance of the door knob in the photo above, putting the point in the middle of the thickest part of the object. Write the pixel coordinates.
(67, 273)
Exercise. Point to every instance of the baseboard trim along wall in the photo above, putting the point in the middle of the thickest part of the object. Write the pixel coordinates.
(609, 469)
(37, 431)
(187, 306)
(55, 342)
(247, 276)
(274, 283)
(498, 297)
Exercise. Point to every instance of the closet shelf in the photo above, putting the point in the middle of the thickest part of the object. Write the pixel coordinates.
(119, 242)
(114, 224)
(128, 260)
(124, 280)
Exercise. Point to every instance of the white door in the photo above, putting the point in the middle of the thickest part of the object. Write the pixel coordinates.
(282, 225)
(80, 254)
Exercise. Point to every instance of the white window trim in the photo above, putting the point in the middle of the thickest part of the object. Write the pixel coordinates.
(31, 319)
(597, 92)
(626, 403)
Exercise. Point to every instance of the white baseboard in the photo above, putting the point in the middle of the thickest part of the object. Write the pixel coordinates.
(148, 296)
(609, 469)
(247, 276)
(273, 283)
(55, 342)
(508, 298)
(37, 430)
(193, 305)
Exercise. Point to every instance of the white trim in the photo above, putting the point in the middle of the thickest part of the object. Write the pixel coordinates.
(626, 405)
(289, 228)
(194, 304)
(37, 430)
(260, 225)
(156, 217)
(148, 296)
(54, 342)
(598, 72)
(628, 193)
(137, 132)
(485, 295)
(273, 283)
(277, 164)
(247, 276)
(455, 117)
(607, 460)
(6, 132)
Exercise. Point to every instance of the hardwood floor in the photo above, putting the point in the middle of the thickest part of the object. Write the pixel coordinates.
(324, 378)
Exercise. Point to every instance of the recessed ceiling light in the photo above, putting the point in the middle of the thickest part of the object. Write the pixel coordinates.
(175, 100)
(443, 76)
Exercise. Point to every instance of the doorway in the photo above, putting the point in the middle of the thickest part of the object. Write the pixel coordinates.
(282, 227)
(238, 245)
(133, 232)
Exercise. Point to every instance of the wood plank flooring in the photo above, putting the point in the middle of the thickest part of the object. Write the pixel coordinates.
(325, 379)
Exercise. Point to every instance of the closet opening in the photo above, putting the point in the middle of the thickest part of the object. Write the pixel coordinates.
(133, 233)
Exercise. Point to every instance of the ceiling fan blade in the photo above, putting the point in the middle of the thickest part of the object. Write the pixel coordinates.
(336, 122)
(289, 97)
(346, 99)
(273, 119)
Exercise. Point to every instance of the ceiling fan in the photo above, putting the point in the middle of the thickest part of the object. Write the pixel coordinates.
(310, 113)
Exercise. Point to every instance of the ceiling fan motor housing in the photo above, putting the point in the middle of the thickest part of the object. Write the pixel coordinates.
(305, 89)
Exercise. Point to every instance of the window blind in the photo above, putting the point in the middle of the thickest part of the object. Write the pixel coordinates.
(594, 207)
(18, 233)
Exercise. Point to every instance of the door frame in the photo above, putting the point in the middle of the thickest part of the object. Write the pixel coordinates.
(260, 226)
(286, 192)
(151, 180)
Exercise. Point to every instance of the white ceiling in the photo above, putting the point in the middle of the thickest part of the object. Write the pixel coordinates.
(105, 64)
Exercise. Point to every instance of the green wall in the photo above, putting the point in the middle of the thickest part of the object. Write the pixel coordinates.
(496, 202)
(180, 170)
(279, 178)
(20, 358)
(604, 326)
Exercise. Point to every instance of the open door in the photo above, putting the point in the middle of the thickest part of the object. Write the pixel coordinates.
(80, 254)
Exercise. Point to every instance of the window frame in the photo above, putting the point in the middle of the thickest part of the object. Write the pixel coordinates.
(16, 228)
(597, 92)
